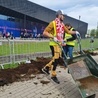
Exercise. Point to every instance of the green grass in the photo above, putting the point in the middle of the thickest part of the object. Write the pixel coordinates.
(12, 65)
(85, 44)
(21, 48)
(33, 47)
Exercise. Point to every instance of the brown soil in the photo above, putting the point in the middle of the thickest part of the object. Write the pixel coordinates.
(90, 83)
(24, 71)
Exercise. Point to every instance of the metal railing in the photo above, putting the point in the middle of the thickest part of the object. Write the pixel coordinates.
(12, 51)
(18, 50)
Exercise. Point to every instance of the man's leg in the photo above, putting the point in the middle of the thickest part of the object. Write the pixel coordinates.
(49, 65)
(52, 50)
(53, 64)
(65, 51)
(64, 54)
(57, 52)
(70, 52)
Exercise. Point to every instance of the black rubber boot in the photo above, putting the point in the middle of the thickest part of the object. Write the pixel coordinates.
(45, 70)
(55, 79)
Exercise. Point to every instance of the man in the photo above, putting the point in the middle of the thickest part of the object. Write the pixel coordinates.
(55, 31)
(70, 41)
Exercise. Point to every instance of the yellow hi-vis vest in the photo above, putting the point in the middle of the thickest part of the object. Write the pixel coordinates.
(52, 43)
(67, 36)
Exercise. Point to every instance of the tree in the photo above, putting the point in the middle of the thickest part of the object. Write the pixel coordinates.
(97, 33)
(93, 33)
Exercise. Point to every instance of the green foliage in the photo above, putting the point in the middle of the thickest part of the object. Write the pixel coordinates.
(97, 33)
(93, 33)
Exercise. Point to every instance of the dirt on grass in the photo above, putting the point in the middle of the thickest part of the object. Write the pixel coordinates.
(24, 71)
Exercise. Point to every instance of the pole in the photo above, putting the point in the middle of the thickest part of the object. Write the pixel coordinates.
(24, 21)
(78, 22)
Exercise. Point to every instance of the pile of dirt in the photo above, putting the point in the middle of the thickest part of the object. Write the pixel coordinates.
(24, 71)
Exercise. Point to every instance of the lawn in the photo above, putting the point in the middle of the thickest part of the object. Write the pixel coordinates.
(23, 48)
(33, 47)
(85, 44)
(37, 46)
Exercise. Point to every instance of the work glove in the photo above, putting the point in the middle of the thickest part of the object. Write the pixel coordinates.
(55, 39)
(77, 33)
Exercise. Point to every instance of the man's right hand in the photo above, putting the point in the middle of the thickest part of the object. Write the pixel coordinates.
(55, 39)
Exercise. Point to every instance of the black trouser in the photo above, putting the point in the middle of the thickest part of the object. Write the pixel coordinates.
(52, 50)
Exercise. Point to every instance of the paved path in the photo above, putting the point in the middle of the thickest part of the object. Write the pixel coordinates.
(43, 87)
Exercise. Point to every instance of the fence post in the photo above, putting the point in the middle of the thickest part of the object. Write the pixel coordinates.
(10, 50)
(13, 50)
(92, 42)
(12, 53)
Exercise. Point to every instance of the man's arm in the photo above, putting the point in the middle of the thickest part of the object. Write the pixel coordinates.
(45, 33)
(48, 30)
(72, 38)
(69, 32)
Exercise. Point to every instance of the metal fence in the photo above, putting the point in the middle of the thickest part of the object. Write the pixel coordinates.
(15, 50)
(18, 50)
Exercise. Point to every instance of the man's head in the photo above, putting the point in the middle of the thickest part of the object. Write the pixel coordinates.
(68, 26)
(60, 15)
